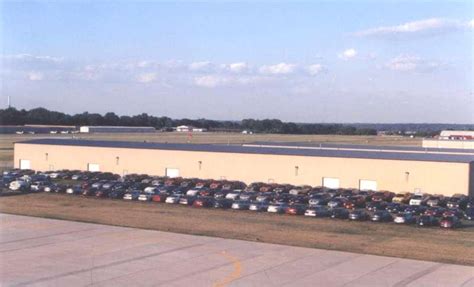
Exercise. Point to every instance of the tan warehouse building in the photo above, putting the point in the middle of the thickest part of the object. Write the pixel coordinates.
(396, 169)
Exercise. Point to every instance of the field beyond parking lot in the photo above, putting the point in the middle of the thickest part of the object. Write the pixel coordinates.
(432, 244)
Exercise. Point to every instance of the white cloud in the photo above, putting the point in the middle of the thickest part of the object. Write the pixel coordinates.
(403, 63)
(314, 69)
(32, 58)
(412, 63)
(435, 25)
(348, 54)
(210, 81)
(278, 69)
(238, 67)
(200, 66)
(35, 76)
(147, 78)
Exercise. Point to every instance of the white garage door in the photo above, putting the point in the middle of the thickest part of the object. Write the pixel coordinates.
(367, 185)
(93, 167)
(331, 182)
(25, 164)
(172, 172)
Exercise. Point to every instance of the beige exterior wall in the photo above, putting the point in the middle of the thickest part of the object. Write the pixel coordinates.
(459, 144)
(393, 175)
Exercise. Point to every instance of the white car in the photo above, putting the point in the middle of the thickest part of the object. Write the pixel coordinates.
(233, 194)
(145, 196)
(192, 192)
(150, 189)
(276, 208)
(19, 185)
(174, 199)
(417, 199)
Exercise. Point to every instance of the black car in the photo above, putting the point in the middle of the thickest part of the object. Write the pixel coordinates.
(359, 215)
(416, 209)
(339, 213)
(117, 193)
(427, 220)
(469, 213)
(376, 205)
(395, 207)
(457, 201)
(381, 216)
(223, 203)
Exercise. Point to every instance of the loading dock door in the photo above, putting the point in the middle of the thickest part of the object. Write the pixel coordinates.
(93, 167)
(367, 185)
(172, 172)
(331, 182)
(25, 164)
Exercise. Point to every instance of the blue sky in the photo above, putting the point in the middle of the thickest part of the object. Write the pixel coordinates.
(338, 61)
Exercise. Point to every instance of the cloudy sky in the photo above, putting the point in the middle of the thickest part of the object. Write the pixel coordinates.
(339, 61)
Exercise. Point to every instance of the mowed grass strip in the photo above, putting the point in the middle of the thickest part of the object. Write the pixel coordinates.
(388, 239)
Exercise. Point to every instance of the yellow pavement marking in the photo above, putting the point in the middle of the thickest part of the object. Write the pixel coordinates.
(235, 273)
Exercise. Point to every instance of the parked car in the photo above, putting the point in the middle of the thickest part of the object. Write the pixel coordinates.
(450, 222)
(19, 185)
(174, 198)
(116, 194)
(296, 209)
(469, 213)
(187, 200)
(418, 199)
(103, 193)
(146, 196)
(394, 207)
(206, 201)
(160, 197)
(234, 195)
(317, 212)
(132, 195)
(241, 205)
(381, 216)
(76, 189)
(339, 213)
(435, 211)
(277, 207)
(222, 203)
(359, 215)
(258, 206)
(416, 209)
(401, 198)
(404, 218)
(427, 220)
(453, 212)
(319, 199)
(457, 201)
(376, 205)
(337, 202)
(436, 200)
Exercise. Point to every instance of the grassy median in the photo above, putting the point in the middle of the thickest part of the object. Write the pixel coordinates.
(388, 239)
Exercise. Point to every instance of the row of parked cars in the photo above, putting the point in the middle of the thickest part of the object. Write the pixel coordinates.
(351, 204)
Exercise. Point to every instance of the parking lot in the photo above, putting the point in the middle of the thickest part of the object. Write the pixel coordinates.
(45, 252)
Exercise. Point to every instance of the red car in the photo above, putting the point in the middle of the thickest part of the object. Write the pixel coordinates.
(159, 197)
(296, 209)
(450, 222)
(204, 202)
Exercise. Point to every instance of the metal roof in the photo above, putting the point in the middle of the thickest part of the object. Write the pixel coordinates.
(358, 146)
(395, 154)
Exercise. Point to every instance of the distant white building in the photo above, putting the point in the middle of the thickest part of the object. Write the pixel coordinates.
(451, 139)
(115, 129)
(456, 135)
(189, 129)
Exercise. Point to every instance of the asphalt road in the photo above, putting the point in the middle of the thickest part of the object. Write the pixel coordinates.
(46, 252)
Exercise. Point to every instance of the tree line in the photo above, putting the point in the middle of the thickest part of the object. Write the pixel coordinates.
(42, 116)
